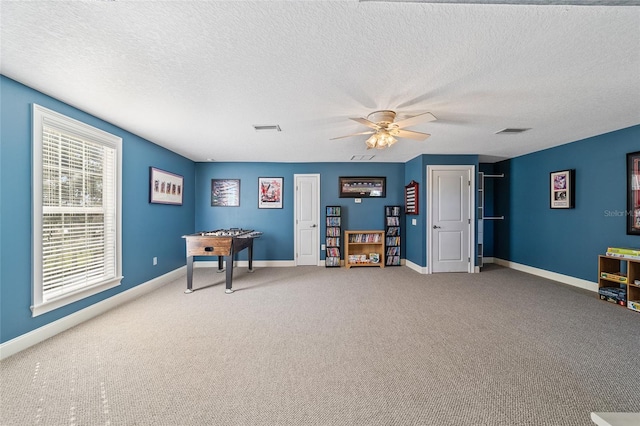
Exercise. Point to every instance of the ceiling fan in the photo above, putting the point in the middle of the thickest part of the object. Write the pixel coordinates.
(385, 130)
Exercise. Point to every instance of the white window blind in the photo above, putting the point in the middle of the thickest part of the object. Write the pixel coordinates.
(76, 210)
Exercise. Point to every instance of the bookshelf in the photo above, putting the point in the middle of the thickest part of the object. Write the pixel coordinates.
(392, 231)
(364, 248)
(619, 273)
(333, 235)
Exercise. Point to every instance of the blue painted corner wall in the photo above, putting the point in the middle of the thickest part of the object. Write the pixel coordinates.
(277, 242)
(563, 241)
(149, 230)
(566, 241)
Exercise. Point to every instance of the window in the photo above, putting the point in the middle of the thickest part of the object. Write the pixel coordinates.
(76, 210)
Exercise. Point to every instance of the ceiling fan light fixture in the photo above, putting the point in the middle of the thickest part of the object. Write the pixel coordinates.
(380, 140)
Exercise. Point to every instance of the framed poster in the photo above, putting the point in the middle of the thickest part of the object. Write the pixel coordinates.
(165, 187)
(270, 193)
(633, 193)
(225, 192)
(562, 189)
(362, 187)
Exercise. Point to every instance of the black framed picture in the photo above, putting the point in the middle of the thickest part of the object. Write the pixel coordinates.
(362, 187)
(225, 192)
(633, 193)
(562, 189)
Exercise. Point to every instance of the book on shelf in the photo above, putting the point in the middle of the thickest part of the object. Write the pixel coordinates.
(333, 242)
(333, 221)
(364, 238)
(332, 261)
(393, 211)
(622, 255)
(615, 276)
(393, 260)
(333, 211)
(392, 251)
(393, 221)
(393, 241)
(623, 250)
(333, 252)
(393, 231)
(333, 232)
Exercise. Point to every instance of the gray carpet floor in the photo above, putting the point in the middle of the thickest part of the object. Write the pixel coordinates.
(316, 346)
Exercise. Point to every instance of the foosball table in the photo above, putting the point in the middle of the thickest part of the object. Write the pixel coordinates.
(224, 243)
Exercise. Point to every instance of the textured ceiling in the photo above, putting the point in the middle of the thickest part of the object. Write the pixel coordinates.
(195, 76)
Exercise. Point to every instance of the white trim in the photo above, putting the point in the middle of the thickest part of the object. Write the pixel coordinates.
(565, 279)
(42, 117)
(245, 263)
(420, 269)
(65, 299)
(295, 215)
(471, 169)
(38, 335)
(488, 260)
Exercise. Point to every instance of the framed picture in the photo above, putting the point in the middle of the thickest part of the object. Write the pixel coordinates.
(165, 187)
(363, 187)
(270, 193)
(562, 189)
(633, 193)
(225, 192)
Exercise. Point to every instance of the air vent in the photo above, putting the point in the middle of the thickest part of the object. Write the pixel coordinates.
(267, 128)
(362, 157)
(512, 131)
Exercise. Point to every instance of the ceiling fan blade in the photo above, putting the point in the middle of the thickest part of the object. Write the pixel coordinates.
(366, 122)
(353, 134)
(419, 136)
(416, 119)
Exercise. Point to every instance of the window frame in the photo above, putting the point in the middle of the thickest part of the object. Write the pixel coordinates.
(42, 117)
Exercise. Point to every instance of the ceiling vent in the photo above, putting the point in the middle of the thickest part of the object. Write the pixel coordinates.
(512, 131)
(362, 157)
(267, 128)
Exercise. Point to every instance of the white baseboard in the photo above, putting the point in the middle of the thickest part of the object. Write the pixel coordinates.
(566, 279)
(245, 263)
(38, 335)
(416, 267)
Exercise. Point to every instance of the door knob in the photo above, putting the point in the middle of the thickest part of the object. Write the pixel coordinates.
(314, 225)
(436, 227)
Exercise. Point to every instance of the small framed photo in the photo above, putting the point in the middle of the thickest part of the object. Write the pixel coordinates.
(270, 192)
(165, 187)
(562, 189)
(225, 192)
(633, 193)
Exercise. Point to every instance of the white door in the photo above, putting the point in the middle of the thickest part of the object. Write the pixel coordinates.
(450, 224)
(306, 226)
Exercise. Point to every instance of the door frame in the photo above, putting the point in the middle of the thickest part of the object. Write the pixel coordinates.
(295, 216)
(472, 210)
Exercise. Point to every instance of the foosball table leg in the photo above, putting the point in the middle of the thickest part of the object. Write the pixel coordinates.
(189, 275)
(250, 253)
(220, 264)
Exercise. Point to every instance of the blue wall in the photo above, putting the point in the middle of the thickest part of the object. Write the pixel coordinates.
(277, 242)
(416, 169)
(148, 229)
(566, 241)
